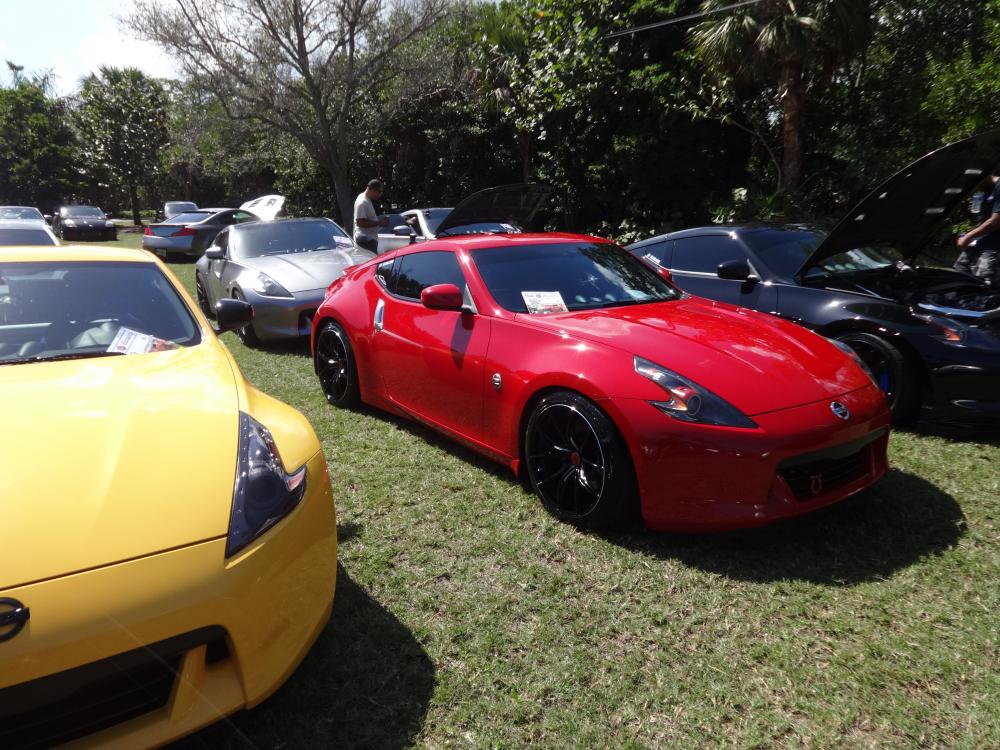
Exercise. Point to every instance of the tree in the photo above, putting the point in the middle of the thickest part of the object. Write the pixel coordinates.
(122, 122)
(299, 67)
(37, 144)
(777, 44)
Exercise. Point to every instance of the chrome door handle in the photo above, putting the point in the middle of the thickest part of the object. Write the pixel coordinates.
(379, 315)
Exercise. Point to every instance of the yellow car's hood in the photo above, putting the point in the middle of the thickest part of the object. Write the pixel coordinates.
(114, 458)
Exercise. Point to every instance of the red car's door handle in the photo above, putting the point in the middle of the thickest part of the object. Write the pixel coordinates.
(377, 321)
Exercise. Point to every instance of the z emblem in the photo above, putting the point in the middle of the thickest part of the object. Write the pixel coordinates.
(816, 484)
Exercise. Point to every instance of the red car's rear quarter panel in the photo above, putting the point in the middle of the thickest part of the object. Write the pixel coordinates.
(697, 478)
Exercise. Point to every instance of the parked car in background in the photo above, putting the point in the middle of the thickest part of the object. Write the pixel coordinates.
(189, 234)
(173, 208)
(489, 210)
(179, 559)
(26, 232)
(610, 391)
(280, 267)
(83, 223)
(929, 334)
(21, 213)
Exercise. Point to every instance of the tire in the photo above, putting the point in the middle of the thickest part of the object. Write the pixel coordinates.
(890, 369)
(336, 367)
(577, 462)
(199, 289)
(245, 334)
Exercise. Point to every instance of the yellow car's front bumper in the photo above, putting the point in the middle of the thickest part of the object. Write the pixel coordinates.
(232, 631)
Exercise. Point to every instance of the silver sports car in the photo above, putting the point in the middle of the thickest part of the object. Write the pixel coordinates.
(280, 267)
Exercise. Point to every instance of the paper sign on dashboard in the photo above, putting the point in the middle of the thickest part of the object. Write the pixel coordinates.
(127, 341)
(543, 303)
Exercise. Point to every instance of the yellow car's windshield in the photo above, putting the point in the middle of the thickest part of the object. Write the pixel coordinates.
(73, 310)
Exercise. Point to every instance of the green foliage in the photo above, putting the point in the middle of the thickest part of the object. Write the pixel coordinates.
(37, 145)
(123, 128)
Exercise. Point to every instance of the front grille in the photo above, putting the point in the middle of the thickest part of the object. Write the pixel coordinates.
(814, 474)
(67, 705)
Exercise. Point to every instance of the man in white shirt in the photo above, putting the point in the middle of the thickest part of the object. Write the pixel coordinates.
(366, 221)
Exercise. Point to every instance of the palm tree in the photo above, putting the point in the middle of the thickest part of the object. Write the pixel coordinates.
(783, 43)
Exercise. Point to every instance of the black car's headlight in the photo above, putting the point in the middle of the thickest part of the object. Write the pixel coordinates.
(268, 287)
(264, 493)
(944, 329)
(688, 401)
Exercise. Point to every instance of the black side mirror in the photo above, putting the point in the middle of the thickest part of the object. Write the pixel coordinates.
(232, 313)
(215, 253)
(735, 270)
(48, 218)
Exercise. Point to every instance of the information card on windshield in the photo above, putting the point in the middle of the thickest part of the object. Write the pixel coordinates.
(127, 341)
(543, 303)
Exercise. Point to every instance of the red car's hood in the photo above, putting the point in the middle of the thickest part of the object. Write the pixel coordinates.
(755, 362)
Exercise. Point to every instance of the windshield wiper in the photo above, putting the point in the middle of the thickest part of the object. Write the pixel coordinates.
(59, 357)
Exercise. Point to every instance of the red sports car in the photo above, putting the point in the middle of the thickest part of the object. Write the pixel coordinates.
(600, 383)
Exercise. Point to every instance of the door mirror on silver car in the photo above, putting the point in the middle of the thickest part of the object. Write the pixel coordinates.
(232, 313)
(215, 253)
(403, 230)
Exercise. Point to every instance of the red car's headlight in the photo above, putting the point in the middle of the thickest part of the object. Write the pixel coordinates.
(688, 401)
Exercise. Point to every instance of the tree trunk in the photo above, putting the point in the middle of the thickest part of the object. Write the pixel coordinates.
(524, 146)
(133, 195)
(345, 199)
(790, 94)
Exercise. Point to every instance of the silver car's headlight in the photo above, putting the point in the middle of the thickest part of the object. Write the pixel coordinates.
(689, 402)
(264, 492)
(268, 287)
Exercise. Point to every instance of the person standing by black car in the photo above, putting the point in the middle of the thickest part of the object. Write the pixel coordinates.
(980, 247)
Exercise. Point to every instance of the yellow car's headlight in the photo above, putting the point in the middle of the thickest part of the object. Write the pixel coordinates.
(264, 493)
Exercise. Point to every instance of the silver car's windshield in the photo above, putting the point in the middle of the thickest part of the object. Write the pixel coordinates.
(74, 310)
(10, 236)
(284, 237)
(21, 212)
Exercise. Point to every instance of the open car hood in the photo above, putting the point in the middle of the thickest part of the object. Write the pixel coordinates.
(507, 204)
(907, 209)
(266, 207)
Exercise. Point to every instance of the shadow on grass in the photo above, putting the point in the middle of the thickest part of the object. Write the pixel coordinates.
(366, 683)
(980, 436)
(896, 523)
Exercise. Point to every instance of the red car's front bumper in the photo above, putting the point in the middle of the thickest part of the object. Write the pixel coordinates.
(701, 478)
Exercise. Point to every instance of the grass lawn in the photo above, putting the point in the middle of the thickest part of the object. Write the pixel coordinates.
(466, 617)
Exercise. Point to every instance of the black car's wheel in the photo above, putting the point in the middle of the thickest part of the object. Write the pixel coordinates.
(246, 333)
(199, 289)
(336, 367)
(577, 462)
(890, 369)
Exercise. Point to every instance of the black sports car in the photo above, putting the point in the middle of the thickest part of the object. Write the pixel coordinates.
(930, 335)
(83, 223)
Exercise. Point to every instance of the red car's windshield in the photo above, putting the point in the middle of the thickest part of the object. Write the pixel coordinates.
(568, 276)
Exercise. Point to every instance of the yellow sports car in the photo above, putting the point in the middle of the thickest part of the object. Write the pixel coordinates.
(167, 533)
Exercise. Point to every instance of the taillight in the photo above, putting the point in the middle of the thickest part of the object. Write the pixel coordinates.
(183, 232)
(148, 232)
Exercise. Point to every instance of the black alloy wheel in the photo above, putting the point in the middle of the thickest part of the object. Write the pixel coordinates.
(577, 462)
(890, 370)
(336, 367)
(199, 289)
(246, 333)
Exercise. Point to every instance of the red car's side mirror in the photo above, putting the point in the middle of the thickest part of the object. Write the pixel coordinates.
(442, 297)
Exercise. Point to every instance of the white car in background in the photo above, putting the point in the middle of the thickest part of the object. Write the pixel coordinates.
(487, 211)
